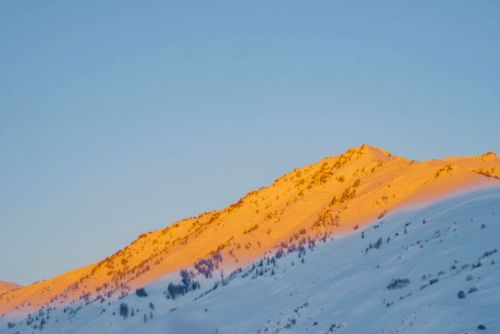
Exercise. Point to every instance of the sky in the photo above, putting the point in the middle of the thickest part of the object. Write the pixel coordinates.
(120, 117)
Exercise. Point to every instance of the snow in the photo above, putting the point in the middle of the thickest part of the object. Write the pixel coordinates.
(343, 286)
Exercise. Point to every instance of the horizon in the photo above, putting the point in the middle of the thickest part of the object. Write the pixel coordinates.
(117, 121)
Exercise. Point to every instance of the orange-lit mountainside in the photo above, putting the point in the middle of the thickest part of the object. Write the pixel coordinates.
(333, 196)
(7, 286)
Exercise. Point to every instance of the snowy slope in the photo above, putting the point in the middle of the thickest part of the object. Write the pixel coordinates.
(405, 273)
(331, 196)
(7, 286)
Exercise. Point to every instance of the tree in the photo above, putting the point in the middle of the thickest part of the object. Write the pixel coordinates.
(141, 292)
(124, 310)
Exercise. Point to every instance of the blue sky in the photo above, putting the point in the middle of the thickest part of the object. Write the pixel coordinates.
(120, 117)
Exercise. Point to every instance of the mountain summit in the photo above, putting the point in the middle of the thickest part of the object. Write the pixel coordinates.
(331, 197)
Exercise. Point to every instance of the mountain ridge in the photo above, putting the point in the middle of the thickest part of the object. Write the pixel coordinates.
(7, 286)
(332, 196)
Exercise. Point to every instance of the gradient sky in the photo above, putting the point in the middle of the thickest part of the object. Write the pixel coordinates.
(119, 117)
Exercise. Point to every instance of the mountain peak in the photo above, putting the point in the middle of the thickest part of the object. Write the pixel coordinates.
(365, 154)
(372, 150)
(489, 155)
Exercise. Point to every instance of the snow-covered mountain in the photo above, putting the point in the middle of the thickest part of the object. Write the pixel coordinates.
(360, 242)
(435, 269)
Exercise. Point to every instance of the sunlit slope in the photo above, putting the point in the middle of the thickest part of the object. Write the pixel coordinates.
(334, 195)
(7, 286)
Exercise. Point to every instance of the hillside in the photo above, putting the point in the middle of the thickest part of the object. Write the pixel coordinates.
(335, 195)
(7, 286)
(433, 269)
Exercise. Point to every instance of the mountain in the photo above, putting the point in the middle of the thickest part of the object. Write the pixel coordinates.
(430, 269)
(7, 286)
(336, 197)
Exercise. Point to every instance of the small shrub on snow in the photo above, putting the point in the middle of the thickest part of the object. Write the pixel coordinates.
(141, 292)
(398, 283)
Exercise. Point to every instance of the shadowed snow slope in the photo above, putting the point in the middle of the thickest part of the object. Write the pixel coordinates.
(432, 269)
